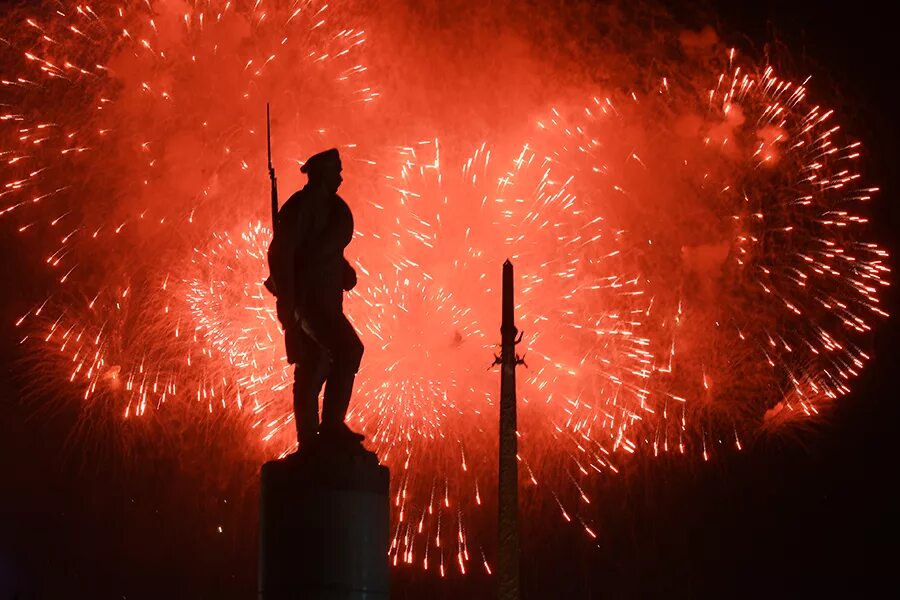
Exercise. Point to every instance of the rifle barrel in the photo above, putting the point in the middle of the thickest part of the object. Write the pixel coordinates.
(268, 135)
(272, 178)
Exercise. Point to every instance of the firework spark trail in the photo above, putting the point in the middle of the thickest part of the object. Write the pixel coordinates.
(579, 307)
(691, 264)
(743, 198)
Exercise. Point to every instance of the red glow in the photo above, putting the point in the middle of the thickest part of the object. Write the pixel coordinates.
(691, 264)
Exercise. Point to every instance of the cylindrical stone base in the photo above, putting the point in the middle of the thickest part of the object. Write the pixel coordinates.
(324, 527)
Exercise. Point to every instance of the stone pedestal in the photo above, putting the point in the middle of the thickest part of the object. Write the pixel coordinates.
(324, 526)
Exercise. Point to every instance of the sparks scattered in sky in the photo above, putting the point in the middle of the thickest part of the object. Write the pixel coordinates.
(692, 259)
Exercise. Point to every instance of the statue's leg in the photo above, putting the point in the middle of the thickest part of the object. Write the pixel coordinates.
(309, 376)
(335, 333)
(338, 389)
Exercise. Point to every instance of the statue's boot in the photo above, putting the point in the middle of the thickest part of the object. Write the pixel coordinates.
(338, 389)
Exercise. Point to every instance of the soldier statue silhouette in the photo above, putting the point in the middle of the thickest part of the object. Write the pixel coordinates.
(309, 274)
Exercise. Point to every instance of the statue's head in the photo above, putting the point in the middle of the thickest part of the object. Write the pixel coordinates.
(324, 169)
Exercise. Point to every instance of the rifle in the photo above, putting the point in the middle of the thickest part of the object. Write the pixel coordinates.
(271, 168)
(270, 283)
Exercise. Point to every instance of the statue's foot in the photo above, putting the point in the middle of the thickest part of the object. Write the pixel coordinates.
(340, 434)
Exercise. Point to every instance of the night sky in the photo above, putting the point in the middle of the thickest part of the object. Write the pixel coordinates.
(111, 515)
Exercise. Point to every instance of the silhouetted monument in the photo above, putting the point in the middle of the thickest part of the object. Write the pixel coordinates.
(508, 475)
(309, 276)
(324, 510)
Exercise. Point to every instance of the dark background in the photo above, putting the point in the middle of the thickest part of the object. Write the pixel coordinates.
(806, 516)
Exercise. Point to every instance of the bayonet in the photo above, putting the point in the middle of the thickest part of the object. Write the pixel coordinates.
(271, 168)
(270, 283)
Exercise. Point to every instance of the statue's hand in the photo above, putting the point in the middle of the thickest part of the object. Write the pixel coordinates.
(349, 277)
